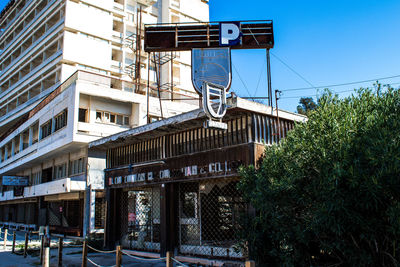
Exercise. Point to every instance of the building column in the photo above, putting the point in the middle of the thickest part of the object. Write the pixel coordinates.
(89, 211)
(168, 217)
(21, 142)
(112, 230)
(13, 147)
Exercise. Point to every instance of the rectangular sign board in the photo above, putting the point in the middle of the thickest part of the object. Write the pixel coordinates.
(221, 163)
(15, 180)
(185, 36)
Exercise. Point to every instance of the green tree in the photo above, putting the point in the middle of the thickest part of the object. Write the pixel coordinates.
(329, 194)
(307, 104)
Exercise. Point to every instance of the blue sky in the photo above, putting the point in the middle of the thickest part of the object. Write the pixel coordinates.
(326, 42)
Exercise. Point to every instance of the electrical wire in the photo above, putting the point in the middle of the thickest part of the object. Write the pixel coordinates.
(260, 75)
(295, 72)
(240, 77)
(341, 84)
(339, 92)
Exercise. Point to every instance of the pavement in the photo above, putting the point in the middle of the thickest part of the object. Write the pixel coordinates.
(72, 256)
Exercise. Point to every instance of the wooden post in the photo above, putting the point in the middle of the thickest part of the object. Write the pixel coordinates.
(118, 260)
(26, 245)
(13, 246)
(41, 248)
(84, 254)
(60, 249)
(250, 263)
(46, 257)
(5, 238)
(168, 261)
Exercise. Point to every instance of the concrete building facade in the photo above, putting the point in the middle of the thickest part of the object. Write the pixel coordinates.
(70, 73)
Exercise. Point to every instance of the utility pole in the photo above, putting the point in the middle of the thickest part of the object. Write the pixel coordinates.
(277, 92)
(270, 100)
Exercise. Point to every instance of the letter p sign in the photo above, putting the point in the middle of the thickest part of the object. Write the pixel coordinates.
(229, 33)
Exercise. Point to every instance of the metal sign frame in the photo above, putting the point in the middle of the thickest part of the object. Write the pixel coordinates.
(255, 34)
(208, 37)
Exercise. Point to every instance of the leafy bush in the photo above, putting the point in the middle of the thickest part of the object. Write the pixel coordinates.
(329, 193)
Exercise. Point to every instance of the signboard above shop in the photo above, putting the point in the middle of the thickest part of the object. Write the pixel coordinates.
(186, 36)
(15, 181)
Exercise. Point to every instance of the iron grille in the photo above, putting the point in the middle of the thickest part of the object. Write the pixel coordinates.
(209, 214)
(140, 222)
(65, 213)
(54, 213)
(99, 213)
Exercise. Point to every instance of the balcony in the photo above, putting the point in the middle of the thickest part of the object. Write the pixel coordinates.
(117, 36)
(118, 7)
(116, 66)
(147, 2)
(100, 129)
(66, 185)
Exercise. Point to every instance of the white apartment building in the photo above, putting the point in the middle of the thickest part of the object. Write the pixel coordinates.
(69, 74)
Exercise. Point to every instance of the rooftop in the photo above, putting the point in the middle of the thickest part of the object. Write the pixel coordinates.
(189, 120)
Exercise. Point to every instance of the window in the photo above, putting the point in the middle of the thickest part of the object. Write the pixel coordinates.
(76, 166)
(35, 131)
(119, 120)
(111, 118)
(154, 118)
(60, 171)
(106, 117)
(126, 120)
(36, 178)
(98, 116)
(60, 120)
(46, 129)
(25, 139)
(82, 115)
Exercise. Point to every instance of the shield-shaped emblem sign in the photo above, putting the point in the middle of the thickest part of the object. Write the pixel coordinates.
(211, 65)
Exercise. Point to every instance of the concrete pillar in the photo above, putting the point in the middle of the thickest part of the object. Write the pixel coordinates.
(30, 136)
(13, 147)
(21, 142)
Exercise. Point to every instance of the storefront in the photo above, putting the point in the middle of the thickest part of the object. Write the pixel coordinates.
(172, 185)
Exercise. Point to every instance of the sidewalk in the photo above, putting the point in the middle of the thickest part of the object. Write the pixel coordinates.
(72, 256)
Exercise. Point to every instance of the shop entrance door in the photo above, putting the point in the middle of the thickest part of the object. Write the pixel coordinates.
(189, 217)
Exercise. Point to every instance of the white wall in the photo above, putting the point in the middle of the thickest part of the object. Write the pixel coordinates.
(94, 53)
(196, 9)
(89, 19)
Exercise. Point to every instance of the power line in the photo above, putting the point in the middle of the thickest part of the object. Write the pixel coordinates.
(260, 75)
(286, 97)
(340, 92)
(341, 84)
(240, 77)
(295, 72)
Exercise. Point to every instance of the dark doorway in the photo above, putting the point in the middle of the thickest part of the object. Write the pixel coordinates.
(47, 175)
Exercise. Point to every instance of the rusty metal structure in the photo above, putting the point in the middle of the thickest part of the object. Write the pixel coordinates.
(161, 38)
(186, 36)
